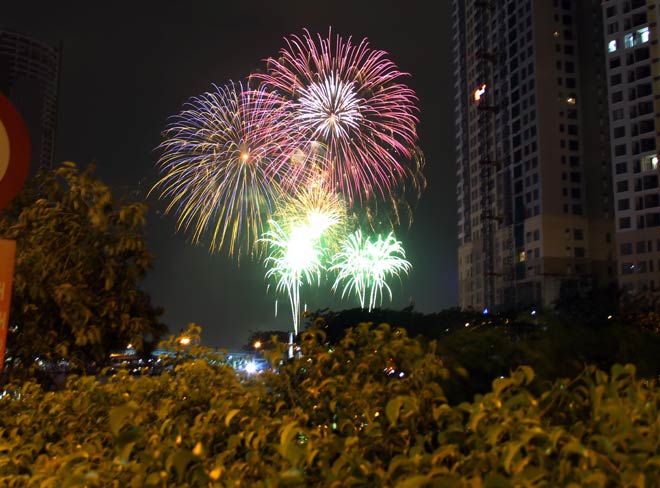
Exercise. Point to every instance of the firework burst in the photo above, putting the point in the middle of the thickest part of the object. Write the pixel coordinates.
(363, 266)
(223, 157)
(347, 97)
(317, 208)
(294, 259)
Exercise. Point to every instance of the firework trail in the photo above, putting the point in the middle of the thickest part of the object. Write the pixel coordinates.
(294, 258)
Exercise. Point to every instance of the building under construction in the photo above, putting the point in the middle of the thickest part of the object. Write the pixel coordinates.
(534, 192)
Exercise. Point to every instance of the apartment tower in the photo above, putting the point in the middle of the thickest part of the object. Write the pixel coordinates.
(29, 77)
(534, 186)
(633, 71)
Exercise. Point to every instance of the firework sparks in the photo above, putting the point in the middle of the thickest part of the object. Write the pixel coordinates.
(321, 210)
(327, 140)
(380, 214)
(363, 266)
(294, 259)
(220, 164)
(347, 97)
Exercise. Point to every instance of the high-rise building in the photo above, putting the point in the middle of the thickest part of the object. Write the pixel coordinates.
(633, 70)
(29, 77)
(533, 170)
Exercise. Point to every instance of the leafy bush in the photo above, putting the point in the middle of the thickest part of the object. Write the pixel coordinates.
(367, 411)
(556, 343)
(81, 255)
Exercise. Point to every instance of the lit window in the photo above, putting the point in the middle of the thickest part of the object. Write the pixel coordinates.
(649, 162)
(628, 40)
(521, 256)
(611, 46)
(643, 35)
(570, 100)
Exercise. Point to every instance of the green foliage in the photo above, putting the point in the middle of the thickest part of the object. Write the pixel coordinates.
(80, 257)
(556, 343)
(333, 416)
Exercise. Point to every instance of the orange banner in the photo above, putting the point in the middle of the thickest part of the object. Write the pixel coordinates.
(7, 256)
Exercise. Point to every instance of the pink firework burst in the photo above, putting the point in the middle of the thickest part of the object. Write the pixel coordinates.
(348, 98)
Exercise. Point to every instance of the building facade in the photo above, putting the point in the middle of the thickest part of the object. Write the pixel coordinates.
(29, 77)
(534, 186)
(633, 71)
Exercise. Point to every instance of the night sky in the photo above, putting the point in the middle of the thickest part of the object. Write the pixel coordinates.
(128, 66)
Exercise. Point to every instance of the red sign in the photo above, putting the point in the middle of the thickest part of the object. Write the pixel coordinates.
(7, 256)
(14, 152)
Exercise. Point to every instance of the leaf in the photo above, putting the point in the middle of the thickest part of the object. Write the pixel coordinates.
(230, 415)
(393, 409)
(596, 478)
(117, 416)
(500, 384)
(125, 453)
(288, 434)
(291, 476)
(493, 433)
(574, 447)
(510, 451)
(414, 482)
(473, 423)
(397, 462)
(496, 480)
(528, 372)
(180, 460)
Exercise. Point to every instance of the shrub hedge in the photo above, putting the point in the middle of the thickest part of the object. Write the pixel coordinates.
(368, 411)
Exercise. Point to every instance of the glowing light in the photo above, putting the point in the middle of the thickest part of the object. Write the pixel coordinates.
(349, 98)
(294, 258)
(251, 367)
(332, 107)
(223, 163)
(363, 266)
(257, 344)
(184, 341)
(327, 142)
(321, 211)
(479, 92)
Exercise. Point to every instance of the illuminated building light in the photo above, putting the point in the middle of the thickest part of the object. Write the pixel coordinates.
(479, 92)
